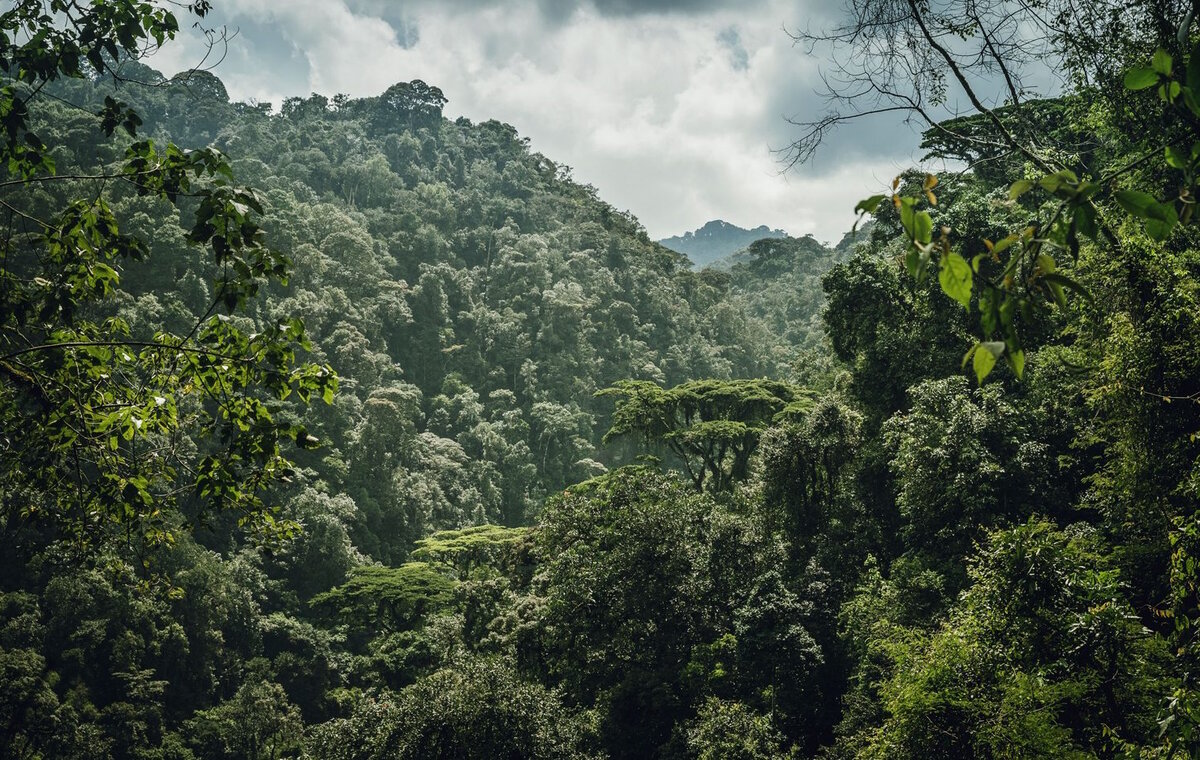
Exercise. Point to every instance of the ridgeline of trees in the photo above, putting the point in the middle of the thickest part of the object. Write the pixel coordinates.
(413, 447)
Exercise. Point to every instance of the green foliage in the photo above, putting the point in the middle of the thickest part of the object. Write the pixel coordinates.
(93, 411)
(964, 461)
(875, 571)
(472, 298)
(1041, 657)
(258, 723)
(777, 281)
(467, 549)
(731, 730)
(805, 465)
(388, 598)
(885, 330)
(711, 426)
(1024, 275)
(408, 104)
(478, 708)
(654, 598)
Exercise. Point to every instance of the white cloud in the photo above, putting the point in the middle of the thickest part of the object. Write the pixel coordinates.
(658, 110)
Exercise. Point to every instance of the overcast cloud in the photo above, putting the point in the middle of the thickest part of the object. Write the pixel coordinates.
(670, 107)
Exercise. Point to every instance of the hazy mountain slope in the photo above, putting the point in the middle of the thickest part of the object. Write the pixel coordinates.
(717, 239)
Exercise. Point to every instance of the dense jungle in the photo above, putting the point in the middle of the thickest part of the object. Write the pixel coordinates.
(336, 428)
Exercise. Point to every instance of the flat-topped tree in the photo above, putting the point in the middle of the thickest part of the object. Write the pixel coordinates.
(711, 426)
(387, 598)
(468, 548)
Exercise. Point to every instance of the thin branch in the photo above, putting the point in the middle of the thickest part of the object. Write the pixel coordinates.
(1008, 80)
(123, 344)
(1040, 162)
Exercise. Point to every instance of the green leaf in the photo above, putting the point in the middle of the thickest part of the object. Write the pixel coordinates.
(1169, 91)
(1056, 290)
(1006, 310)
(1016, 360)
(1140, 78)
(1004, 243)
(986, 354)
(912, 261)
(1019, 188)
(869, 205)
(923, 227)
(906, 215)
(1066, 282)
(955, 278)
(1160, 227)
(1189, 100)
(1175, 157)
(1161, 62)
(1085, 220)
(1160, 218)
(1059, 180)
(1136, 202)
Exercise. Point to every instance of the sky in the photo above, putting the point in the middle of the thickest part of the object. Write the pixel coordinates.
(674, 109)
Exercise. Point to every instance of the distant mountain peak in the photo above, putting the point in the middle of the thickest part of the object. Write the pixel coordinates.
(717, 239)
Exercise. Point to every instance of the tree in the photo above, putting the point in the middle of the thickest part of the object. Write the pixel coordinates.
(322, 556)
(259, 723)
(711, 426)
(1106, 178)
(731, 731)
(469, 549)
(914, 58)
(805, 464)
(964, 461)
(905, 53)
(653, 598)
(390, 598)
(27, 703)
(1041, 657)
(476, 710)
(409, 105)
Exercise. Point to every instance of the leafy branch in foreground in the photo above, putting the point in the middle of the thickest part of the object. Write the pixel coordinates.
(1019, 274)
(107, 434)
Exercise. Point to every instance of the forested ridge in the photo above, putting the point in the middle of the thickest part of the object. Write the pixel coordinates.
(339, 429)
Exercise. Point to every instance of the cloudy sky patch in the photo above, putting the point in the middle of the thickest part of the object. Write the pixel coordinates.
(672, 108)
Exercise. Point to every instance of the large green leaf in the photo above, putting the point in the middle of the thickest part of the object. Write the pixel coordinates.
(869, 205)
(1140, 78)
(923, 228)
(985, 355)
(1160, 218)
(955, 278)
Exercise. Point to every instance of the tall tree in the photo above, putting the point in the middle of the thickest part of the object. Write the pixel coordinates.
(711, 426)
